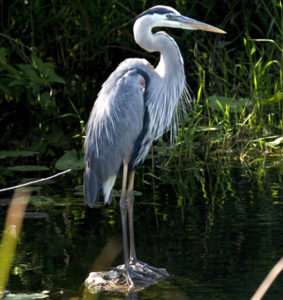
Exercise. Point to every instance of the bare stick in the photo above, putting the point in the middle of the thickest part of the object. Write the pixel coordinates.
(267, 282)
(36, 181)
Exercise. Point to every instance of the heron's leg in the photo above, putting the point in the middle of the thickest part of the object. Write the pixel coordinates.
(123, 210)
(126, 206)
(130, 202)
(148, 270)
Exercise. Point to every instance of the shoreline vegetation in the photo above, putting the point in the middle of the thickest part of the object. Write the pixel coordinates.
(50, 78)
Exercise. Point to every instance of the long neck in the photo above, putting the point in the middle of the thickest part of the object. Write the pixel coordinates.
(171, 61)
(166, 91)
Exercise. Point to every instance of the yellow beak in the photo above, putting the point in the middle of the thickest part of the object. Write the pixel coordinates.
(188, 23)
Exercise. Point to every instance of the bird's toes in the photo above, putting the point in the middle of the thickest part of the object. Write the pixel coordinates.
(150, 270)
(136, 273)
(141, 276)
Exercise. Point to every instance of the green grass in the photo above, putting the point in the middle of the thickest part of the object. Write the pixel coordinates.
(237, 114)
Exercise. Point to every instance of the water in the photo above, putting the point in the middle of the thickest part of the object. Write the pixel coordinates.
(216, 245)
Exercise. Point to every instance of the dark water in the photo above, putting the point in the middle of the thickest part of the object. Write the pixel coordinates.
(217, 243)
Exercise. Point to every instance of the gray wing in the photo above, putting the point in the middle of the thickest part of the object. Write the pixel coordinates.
(115, 122)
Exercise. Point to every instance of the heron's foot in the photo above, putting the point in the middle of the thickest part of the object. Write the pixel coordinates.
(147, 270)
(135, 275)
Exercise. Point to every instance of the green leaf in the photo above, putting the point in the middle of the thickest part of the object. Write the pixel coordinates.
(40, 200)
(45, 99)
(5, 66)
(277, 97)
(17, 82)
(137, 193)
(29, 70)
(275, 143)
(26, 296)
(5, 154)
(206, 128)
(53, 77)
(233, 105)
(70, 160)
(47, 70)
(79, 190)
(38, 63)
(28, 168)
(3, 53)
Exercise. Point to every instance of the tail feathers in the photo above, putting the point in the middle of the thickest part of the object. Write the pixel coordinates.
(107, 189)
(92, 187)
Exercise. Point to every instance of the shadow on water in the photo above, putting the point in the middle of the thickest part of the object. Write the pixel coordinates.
(217, 243)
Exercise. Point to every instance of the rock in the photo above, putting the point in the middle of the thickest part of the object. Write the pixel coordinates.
(113, 274)
(116, 281)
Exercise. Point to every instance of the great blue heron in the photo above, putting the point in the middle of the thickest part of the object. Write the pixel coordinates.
(136, 104)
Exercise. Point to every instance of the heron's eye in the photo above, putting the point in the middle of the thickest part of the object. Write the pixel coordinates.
(169, 16)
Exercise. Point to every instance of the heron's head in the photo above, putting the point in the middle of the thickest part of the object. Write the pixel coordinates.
(165, 16)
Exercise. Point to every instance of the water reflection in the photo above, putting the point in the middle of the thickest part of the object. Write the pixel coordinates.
(167, 290)
(218, 240)
(11, 233)
(108, 254)
(132, 297)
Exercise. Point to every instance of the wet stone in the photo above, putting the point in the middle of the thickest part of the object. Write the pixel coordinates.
(116, 280)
